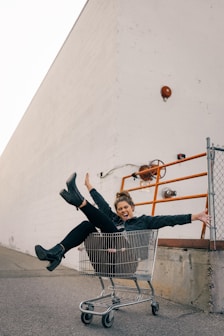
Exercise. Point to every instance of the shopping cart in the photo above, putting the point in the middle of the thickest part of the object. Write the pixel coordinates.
(126, 260)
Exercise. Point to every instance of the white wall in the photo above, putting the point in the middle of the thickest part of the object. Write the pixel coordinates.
(99, 108)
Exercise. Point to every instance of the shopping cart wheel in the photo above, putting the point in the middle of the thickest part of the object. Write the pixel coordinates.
(87, 317)
(116, 300)
(108, 320)
(155, 308)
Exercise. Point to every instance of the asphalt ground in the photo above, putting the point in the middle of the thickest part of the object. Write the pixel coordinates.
(34, 301)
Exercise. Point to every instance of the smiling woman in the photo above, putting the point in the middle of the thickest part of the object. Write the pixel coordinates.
(27, 50)
(106, 220)
(124, 205)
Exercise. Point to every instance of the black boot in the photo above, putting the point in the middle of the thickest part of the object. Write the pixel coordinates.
(72, 196)
(54, 255)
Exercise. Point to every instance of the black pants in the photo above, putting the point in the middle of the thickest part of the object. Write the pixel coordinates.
(96, 219)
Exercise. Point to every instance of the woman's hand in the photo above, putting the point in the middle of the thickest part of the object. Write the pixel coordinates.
(202, 216)
(87, 182)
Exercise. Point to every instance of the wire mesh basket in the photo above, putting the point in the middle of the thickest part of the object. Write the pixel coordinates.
(124, 254)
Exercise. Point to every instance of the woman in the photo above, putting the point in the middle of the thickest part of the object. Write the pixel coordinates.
(106, 220)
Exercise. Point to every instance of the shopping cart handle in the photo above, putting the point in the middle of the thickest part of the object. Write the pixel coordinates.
(114, 250)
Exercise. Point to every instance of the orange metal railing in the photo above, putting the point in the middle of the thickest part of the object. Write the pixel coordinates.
(158, 182)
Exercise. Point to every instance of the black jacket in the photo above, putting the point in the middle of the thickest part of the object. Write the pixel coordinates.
(138, 223)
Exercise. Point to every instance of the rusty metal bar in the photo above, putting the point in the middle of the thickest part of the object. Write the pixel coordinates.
(151, 185)
(172, 199)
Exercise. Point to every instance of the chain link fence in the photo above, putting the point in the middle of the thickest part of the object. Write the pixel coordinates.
(215, 156)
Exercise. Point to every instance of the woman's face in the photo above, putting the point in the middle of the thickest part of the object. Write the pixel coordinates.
(124, 210)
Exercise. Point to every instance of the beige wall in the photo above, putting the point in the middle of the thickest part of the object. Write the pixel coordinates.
(190, 276)
(181, 275)
(99, 109)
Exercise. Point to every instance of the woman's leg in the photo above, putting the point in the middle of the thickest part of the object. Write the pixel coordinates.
(98, 218)
(77, 235)
(94, 215)
(73, 239)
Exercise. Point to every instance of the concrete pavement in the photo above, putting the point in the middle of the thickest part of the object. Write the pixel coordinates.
(34, 301)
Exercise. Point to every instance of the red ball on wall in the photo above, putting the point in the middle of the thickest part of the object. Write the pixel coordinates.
(166, 92)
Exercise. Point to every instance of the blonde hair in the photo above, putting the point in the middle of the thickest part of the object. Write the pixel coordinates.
(123, 196)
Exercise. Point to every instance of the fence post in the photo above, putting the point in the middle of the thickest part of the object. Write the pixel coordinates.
(211, 205)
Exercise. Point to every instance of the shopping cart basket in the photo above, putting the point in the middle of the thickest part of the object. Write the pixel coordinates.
(122, 258)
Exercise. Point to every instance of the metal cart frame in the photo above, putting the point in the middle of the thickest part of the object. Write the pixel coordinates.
(125, 259)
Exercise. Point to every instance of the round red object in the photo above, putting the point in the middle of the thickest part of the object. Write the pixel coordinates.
(166, 92)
